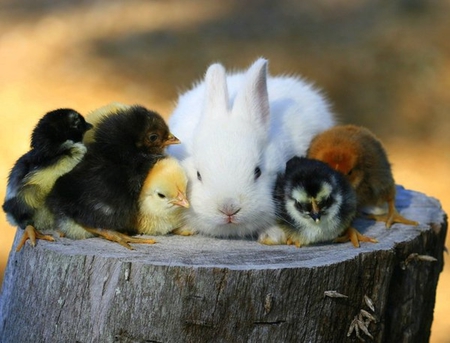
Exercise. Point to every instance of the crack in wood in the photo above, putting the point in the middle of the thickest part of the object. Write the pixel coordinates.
(199, 323)
(275, 322)
(123, 336)
(220, 289)
(127, 272)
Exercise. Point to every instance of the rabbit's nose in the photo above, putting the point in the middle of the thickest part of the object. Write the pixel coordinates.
(230, 212)
(230, 207)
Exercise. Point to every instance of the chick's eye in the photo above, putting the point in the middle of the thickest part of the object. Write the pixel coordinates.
(298, 205)
(153, 137)
(199, 177)
(350, 172)
(76, 123)
(328, 202)
(325, 203)
(162, 196)
(257, 173)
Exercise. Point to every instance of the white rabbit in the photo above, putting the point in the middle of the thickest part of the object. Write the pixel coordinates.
(237, 132)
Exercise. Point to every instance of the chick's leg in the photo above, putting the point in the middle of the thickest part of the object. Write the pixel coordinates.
(392, 216)
(31, 233)
(118, 237)
(353, 235)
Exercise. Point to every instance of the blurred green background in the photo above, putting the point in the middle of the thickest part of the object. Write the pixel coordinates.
(382, 64)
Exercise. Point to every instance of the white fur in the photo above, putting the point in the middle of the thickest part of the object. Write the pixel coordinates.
(275, 235)
(230, 124)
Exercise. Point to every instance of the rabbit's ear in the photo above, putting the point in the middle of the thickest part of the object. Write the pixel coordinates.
(216, 93)
(252, 100)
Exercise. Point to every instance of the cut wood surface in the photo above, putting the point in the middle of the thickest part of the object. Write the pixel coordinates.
(200, 289)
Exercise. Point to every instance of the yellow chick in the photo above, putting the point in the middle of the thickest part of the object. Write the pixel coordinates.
(163, 201)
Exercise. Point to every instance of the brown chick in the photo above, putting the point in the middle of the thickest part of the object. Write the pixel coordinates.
(358, 154)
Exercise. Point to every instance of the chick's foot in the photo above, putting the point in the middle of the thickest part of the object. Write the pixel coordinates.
(32, 234)
(355, 237)
(184, 231)
(392, 216)
(294, 241)
(120, 238)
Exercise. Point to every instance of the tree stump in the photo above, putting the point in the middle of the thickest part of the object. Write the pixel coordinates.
(200, 289)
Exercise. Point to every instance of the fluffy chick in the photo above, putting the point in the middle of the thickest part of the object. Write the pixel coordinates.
(358, 154)
(55, 150)
(162, 201)
(315, 203)
(100, 195)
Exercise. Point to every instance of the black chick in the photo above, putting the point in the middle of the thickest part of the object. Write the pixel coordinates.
(55, 150)
(101, 195)
(315, 204)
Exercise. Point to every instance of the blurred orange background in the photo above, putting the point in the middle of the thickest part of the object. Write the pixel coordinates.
(384, 65)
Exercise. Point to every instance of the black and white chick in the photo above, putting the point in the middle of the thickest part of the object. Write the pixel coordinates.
(100, 197)
(314, 204)
(55, 149)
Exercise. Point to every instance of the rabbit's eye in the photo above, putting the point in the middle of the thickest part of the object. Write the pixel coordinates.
(257, 173)
(199, 177)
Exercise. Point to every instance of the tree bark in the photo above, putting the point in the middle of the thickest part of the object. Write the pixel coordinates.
(200, 289)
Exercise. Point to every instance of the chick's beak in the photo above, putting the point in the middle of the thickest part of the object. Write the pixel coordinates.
(181, 200)
(315, 212)
(171, 140)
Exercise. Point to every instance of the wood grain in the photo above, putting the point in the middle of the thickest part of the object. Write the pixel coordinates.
(200, 289)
